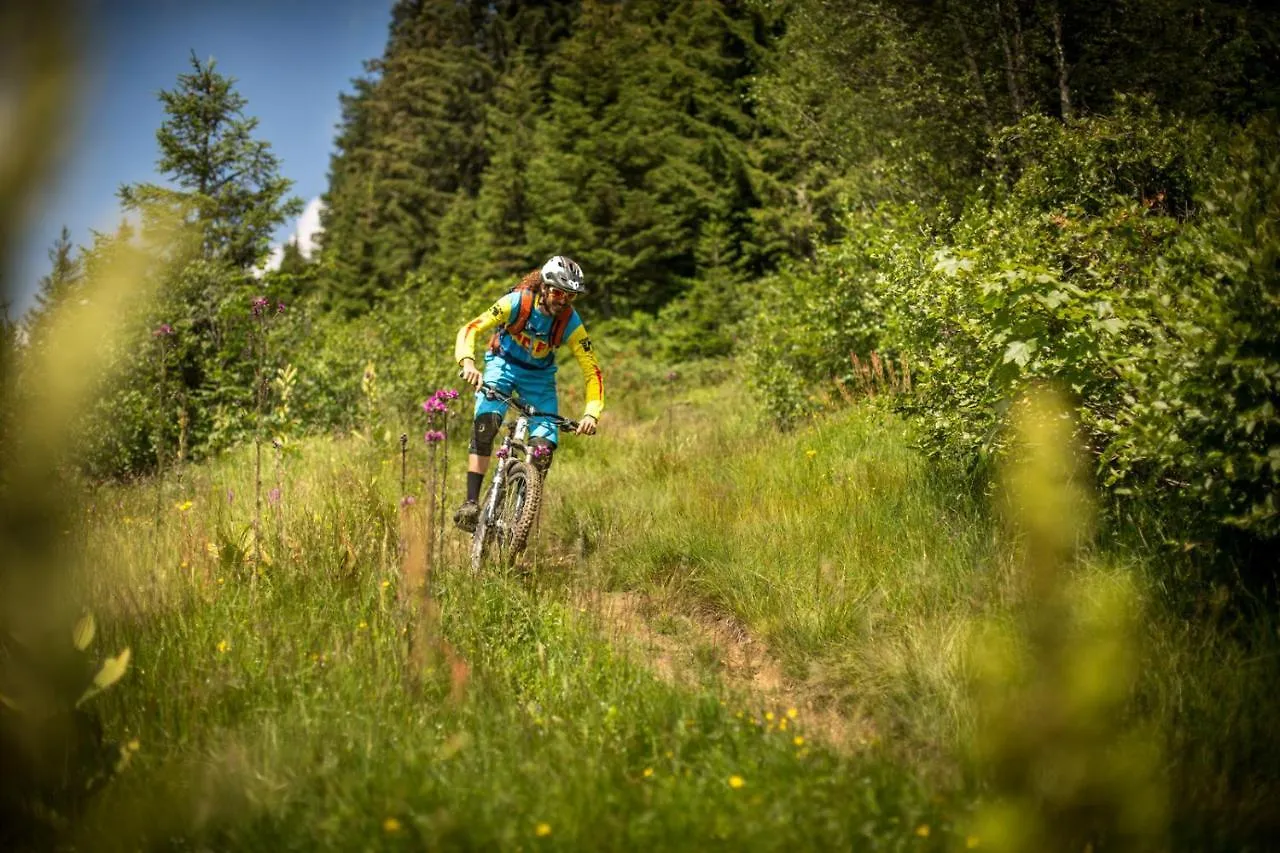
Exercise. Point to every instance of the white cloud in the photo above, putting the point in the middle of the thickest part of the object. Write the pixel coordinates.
(304, 235)
(309, 227)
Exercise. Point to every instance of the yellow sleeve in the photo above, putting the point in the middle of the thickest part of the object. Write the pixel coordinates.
(497, 313)
(582, 350)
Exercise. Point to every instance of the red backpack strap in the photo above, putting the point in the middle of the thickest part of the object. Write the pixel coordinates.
(522, 315)
(516, 326)
(558, 326)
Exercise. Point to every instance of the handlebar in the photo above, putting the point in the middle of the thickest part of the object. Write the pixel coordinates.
(527, 408)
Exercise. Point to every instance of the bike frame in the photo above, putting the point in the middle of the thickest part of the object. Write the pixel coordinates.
(515, 447)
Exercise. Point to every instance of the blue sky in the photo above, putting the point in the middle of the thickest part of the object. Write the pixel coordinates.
(290, 59)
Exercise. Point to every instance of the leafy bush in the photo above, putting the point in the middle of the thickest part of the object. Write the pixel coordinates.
(1133, 264)
(806, 321)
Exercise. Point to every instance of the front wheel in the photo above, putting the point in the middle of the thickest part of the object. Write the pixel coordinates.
(520, 507)
(506, 532)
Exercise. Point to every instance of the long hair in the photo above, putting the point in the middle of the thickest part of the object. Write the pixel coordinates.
(533, 281)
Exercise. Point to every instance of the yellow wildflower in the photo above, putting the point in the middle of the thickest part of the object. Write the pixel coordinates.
(391, 825)
(223, 645)
(782, 724)
(134, 745)
(182, 507)
(363, 624)
(798, 740)
(811, 453)
(792, 713)
(542, 830)
(923, 830)
(386, 584)
(736, 781)
(768, 715)
(648, 771)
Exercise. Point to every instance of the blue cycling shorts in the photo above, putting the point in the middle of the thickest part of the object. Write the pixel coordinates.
(536, 386)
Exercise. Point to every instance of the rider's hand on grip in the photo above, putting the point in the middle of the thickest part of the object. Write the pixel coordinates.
(469, 374)
(587, 426)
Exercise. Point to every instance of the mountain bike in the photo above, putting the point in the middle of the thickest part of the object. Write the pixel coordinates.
(510, 505)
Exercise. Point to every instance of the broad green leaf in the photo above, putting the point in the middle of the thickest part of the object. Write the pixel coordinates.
(82, 634)
(946, 263)
(1019, 352)
(112, 670)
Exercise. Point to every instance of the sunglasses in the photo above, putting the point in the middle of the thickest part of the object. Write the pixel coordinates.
(565, 295)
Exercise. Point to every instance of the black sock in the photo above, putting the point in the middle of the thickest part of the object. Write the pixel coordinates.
(473, 485)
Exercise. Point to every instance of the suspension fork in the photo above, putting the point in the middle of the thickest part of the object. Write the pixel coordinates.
(499, 479)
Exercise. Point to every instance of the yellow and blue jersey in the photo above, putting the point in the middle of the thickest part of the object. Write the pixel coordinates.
(531, 348)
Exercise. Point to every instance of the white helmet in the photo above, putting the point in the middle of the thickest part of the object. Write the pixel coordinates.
(563, 274)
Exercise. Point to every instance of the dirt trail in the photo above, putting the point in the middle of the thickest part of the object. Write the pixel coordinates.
(692, 647)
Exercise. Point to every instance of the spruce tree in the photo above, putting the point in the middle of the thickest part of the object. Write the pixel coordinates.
(411, 139)
(227, 183)
(416, 143)
(646, 145)
(54, 288)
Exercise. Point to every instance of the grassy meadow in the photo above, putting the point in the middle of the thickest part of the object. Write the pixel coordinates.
(723, 637)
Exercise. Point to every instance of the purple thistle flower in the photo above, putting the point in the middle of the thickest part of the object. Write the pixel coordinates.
(163, 330)
(503, 453)
(408, 500)
(435, 404)
(540, 450)
(273, 496)
(446, 394)
(672, 376)
(432, 436)
(259, 305)
(280, 308)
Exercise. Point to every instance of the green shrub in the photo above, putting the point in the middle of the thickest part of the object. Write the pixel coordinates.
(1131, 261)
(806, 321)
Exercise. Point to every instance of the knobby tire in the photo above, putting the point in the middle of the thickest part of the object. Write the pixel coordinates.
(521, 516)
(517, 511)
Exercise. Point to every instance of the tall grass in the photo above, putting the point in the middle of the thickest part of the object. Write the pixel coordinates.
(287, 703)
(876, 579)
(290, 713)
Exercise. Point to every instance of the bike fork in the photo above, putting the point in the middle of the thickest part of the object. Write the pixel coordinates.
(495, 490)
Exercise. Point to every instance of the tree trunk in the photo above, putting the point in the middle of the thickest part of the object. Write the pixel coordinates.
(975, 74)
(1060, 59)
(1012, 60)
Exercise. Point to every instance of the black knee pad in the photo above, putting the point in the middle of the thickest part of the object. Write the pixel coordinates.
(540, 451)
(483, 431)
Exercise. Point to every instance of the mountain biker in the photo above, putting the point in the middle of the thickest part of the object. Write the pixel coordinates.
(521, 357)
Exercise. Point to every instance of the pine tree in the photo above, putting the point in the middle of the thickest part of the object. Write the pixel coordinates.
(54, 288)
(411, 139)
(504, 206)
(646, 145)
(416, 143)
(228, 184)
